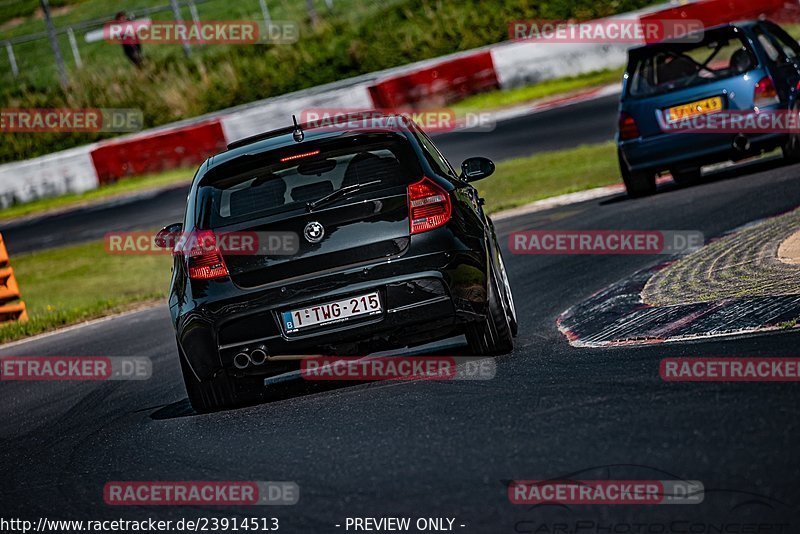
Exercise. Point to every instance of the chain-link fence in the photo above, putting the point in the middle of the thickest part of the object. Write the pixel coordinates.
(29, 57)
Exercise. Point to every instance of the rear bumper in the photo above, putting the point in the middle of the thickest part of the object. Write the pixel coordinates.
(424, 298)
(683, 150)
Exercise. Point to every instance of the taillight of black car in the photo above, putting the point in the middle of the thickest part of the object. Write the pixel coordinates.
(429, 206)
(204, 259)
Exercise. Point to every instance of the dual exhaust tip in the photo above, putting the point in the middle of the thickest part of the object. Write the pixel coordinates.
(243, 360)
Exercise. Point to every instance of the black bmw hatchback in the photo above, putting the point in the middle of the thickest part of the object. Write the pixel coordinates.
(367, 240)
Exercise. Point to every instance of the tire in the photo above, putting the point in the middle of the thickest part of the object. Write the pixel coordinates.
(791, 148)
(492, 335)
(218, 393)
(686, 176)
(511, 310)
(638, 184)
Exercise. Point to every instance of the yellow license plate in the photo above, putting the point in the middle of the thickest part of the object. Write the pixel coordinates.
(694, 109)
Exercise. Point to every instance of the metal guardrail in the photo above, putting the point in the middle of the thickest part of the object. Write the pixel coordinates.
(94, 23)
(174, 7)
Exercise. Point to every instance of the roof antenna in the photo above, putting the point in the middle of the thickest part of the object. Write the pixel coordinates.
(297, 134)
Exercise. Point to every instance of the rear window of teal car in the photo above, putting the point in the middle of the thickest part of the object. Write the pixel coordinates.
(665, 67)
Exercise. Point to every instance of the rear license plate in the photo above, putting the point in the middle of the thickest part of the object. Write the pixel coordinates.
(331, 312)
(694, 109)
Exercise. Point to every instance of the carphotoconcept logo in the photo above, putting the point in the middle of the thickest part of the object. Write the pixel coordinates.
(397, 368)
(41, 120)
(605, 242)
(200, 493)
(74, 368)
(234, 32)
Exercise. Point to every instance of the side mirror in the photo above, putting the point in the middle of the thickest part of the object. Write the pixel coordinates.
(168, 236)
(477, 168)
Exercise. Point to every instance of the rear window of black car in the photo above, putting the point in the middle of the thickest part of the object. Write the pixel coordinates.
(253, 187)
(666, 67)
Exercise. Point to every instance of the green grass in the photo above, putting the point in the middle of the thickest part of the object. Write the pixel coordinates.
(36, 57)
(71, 284)
(519, 95)
(12, 9)
(121, 188)
(523, 180)
(792, 29)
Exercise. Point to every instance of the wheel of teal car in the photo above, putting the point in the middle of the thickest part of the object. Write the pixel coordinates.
(791, 149)
(638, 184)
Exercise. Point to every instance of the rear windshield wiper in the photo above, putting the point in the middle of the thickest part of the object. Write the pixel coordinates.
(336, 195)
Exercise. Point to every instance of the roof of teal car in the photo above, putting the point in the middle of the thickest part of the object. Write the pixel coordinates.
(736, 24)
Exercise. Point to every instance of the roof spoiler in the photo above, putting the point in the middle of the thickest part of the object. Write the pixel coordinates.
(297, 129)
(260, 137)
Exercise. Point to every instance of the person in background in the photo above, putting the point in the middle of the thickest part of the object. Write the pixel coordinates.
(131, 47)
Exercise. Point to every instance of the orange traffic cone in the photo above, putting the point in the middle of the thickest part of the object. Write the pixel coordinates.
(9, 290)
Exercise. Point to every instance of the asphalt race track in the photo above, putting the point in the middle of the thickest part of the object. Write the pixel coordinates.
(444, 449)
(582, 123)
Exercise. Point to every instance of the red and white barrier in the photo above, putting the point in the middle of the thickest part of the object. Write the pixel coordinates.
(185, 146)
(714, 12)
(277, 112)
(442, 83)
(526, 63)
(68, 171)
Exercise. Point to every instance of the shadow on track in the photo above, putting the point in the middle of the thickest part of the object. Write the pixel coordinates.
(728, 173)
(295, 387)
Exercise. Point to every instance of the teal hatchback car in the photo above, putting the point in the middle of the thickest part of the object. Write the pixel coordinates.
(747, 67)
